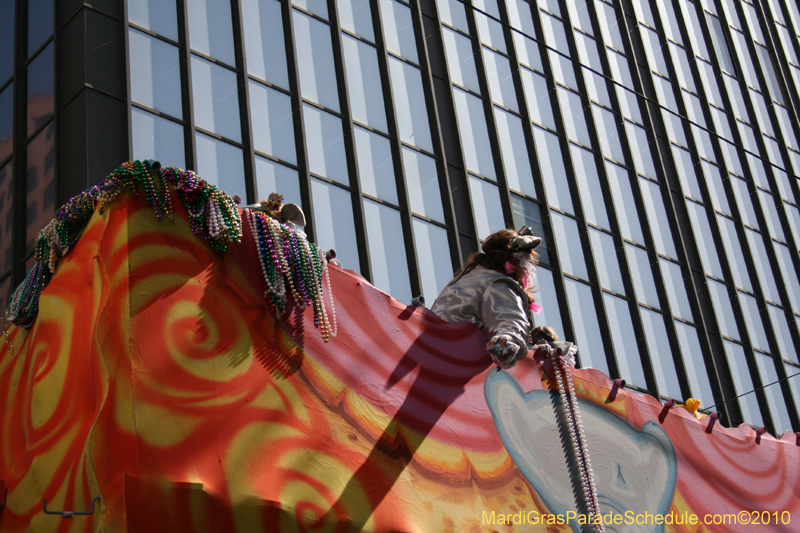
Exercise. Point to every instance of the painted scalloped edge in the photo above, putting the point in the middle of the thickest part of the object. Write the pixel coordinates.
(743, 431)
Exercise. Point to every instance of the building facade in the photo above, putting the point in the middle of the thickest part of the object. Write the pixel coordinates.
(653, 145)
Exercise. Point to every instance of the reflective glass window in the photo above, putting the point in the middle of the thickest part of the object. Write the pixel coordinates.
(537, 96)
(563, 71)
(720, 44)
(460, 60)
(216, 99)
(474, 134)
(743, 197)
(748, 137)
(422, 181)
(41, 88)
(753, 321)
(784, 185)
(490, 32)
(221, 164)
(624, 339)
(675, 285)
(737, 104)
(6, 121)
(516, 161)
(587, 51)
(733, 249)
(761, 112)
(694, 362)
(527, 213)
(791, 374)
(620, 70)
(453, 12)
(546, 296)
(785, 123)
(587, 330)
(606, 261)
(264, 41)
(743, 381)
(409, 104)
(620, 184)
(333, 222)
(315, 61)
(610, 25)
(527, 52)
(670, 21)
(608, 133)
(773, 150)
(640, 148)
(702, 142)
(156, 15)
(716, 189)
(574, 115)
(211, 29)
(433, 257)
(157, 138)
(709, 82)
(655, 331)
(693, 28)
(657, 216)
(398, 29)
(375, 167)
(6, 220)
(704, 239)
(501, 83)
(723, 307)
(356, 16)
(551, 6)
(325, 144)
(782, 333)
(774, 394)
(789, 275)
(273, 127)
(674, 125)
(748, 68)
(652, 48)
(731, 157)
(40, 23)
(596, 87)
(520, 17)
(7, 18)
(683, 69)
(567, 237)
(551, 163)
(793, 215)
(758, 252)
(157, 83)
(318, 7)
(642, 274)
(387, 255)
(643, 12)
(274, 177)
(594, 206)
(40, 183)
(770, 210)
(486, 207)
(769, 74)
(694, 108)
(686, 172)
(364, 83)
(729, 7)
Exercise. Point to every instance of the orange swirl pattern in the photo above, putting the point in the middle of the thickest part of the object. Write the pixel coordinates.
(156, 378)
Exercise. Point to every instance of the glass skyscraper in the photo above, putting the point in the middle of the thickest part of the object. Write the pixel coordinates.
(652, 144)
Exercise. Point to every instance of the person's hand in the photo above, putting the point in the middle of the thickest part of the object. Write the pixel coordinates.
(503, 351)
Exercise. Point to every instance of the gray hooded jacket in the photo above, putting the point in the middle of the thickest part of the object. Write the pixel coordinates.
(492, 301)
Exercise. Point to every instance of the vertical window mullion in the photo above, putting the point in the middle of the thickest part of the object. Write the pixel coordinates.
(362, 239)
(186, 85)
(299, 121)
(397, 153)
(435, 125)
(244, 101)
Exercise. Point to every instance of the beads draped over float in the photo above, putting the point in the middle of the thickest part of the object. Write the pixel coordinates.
(569, 402)
(286, 258)
(213, 216)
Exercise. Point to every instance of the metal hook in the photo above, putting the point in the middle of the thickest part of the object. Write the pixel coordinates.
(418, 301)
(665, 410)
(612, 394)
(712, 419)
(69, 514)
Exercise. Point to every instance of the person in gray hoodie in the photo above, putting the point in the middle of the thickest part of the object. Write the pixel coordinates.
(494, 291)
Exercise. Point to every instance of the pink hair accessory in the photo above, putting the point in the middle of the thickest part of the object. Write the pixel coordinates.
(536, 308)
(510, 269)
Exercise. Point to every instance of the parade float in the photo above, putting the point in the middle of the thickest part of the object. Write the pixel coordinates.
(176, 363)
